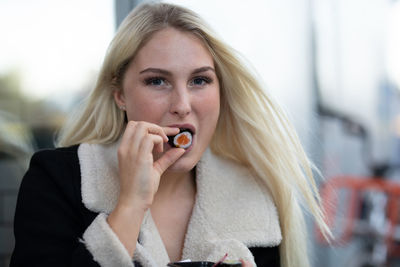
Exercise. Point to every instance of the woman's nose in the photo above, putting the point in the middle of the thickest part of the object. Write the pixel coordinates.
(180, 102)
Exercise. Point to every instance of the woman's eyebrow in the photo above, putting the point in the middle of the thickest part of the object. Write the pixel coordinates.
(203, 69)
(155, 70)
(165, 72)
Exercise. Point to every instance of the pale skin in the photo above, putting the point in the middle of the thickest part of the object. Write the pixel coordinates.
(166, 87)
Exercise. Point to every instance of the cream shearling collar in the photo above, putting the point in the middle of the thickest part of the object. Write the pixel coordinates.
(232, 210)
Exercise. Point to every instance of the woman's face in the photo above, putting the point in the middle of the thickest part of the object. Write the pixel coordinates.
(172, 82)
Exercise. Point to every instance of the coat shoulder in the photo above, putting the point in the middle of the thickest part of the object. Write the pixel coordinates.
(54, 171)
(57, 162)
(61, 154)
(54, 176)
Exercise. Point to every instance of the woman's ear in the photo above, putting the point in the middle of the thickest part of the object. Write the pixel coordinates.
(119, 98)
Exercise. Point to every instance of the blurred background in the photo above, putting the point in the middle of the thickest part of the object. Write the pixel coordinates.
(334, 65)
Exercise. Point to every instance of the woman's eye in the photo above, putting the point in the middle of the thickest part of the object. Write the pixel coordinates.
(200, 81)
(155, 81)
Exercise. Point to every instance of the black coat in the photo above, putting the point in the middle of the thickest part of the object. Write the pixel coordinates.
(50, 217)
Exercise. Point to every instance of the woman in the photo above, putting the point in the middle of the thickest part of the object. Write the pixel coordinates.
(120, 195)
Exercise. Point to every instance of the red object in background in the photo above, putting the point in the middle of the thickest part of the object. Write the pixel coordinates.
(355, 187)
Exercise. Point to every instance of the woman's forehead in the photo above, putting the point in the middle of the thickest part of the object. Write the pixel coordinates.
(170, 48)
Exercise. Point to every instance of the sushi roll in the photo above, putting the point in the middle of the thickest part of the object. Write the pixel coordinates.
(182, 140)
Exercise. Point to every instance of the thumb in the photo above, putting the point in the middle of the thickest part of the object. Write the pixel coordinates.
(168, 159)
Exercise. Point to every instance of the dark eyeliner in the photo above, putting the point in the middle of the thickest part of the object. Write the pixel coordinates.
(149, 81)
(204, 78)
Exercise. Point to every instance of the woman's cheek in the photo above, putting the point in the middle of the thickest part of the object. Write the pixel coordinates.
(150, 110)
(210, 100)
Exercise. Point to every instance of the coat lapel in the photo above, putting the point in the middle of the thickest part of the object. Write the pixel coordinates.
(231, 207)
(232, 210)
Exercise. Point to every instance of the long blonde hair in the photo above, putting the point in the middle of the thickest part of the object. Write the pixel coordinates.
(252, 129)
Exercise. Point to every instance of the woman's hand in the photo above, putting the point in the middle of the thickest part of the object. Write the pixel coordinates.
(246, 263)
(139, 173)
(139, 177)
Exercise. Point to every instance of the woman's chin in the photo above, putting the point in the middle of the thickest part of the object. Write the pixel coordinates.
(182, 165)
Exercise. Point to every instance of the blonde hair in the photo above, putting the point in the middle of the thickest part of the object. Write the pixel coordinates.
(252, 129)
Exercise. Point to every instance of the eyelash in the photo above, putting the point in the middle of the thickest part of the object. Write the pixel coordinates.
(207, 80)
(151, 80)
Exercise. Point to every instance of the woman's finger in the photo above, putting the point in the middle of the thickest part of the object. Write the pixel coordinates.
(156, 129)
(149, 142)
(170, 131)
(136, 131)
(126, 140)
(168, 159)
(137, 138)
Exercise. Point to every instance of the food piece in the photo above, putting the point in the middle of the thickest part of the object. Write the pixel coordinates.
(183, 139)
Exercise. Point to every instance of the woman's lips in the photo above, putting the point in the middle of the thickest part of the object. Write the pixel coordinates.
(184, 126)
